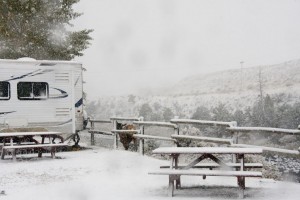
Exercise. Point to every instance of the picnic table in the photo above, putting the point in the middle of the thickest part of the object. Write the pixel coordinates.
(195, 168)
(13, 141)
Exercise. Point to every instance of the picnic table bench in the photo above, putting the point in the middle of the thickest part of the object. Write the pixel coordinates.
(175, 170)
(14, 141)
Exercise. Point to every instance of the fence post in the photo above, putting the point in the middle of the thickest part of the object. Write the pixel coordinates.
(141, 140)
(92, 134)
(115, 134)
(235, 136)
(176, 131)
(235, 139)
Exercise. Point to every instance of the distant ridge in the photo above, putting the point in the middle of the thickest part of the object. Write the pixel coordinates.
(284, 77)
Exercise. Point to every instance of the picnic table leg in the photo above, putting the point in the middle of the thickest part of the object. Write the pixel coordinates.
(13, 151)
(14, 154)
(3, 150)
(171, 186)
(241, 193)
(116, 141)
(3, 154)
(141, 146)
(53, 152)
(177, 180)
(92, 139)
(135, 141)
(41, 150)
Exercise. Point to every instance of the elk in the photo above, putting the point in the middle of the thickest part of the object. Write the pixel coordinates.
(126, 138)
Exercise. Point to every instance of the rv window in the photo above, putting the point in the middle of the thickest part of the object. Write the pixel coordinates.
(4, 91)
(32, 90)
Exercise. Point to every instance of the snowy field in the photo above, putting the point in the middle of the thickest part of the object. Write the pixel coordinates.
(109, 174)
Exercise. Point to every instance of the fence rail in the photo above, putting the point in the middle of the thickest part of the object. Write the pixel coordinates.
(269, 149)
(126, 131)
(204, 139)
(204, 122)
(152, 123)
(100, 121)
(265, 129)
(125, 118)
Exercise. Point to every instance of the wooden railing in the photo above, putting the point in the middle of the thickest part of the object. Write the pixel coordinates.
(175, 125)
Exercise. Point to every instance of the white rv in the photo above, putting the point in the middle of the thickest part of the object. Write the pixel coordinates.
(42, 93)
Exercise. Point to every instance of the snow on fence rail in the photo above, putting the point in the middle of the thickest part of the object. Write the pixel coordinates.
(139, 136)
(126, 131)
(126, 118)
(100, 121)
(205, 139)
(265, 129)
(153, 123)
(204, 122)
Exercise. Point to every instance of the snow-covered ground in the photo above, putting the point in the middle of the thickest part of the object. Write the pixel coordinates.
(114, 174)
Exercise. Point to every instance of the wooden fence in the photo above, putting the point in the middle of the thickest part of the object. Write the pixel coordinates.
(175, 125)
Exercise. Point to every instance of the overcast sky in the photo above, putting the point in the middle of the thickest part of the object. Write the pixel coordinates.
(151, 43)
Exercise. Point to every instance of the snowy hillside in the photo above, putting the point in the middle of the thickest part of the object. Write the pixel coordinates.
(278, 78)
(236, 88)
(114, 175)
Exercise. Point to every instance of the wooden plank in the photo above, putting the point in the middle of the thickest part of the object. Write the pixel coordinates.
(207, 173)
(18, 134)
(138, 136)
(153, 123)
(33, 146)
(215, 165)
(203, 122)
(271, 149)
(206, 139)
(265, 129)
(208, 150)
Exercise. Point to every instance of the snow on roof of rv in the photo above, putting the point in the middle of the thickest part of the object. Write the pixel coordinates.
(32, 60)
(26, 59)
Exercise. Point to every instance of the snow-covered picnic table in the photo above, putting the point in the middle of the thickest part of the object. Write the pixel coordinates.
(14, 141)
(233, 168)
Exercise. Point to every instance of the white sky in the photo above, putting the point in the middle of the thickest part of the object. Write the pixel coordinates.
(151, 43)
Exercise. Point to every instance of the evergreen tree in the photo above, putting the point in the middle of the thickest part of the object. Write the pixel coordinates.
(201, 113)
(240, 117)
(40, 29)
(263, 113)
(168, 114)
(257, 116)
(146, 112)
(221, 113)
(131, 98)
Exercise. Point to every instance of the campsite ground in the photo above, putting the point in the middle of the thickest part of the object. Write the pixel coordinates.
(115, 174)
